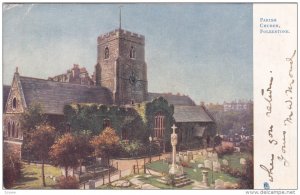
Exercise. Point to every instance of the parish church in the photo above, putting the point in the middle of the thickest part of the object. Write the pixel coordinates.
(119, 81)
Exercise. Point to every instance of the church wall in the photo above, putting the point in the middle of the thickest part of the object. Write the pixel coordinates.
(95, 115)
(107, 66)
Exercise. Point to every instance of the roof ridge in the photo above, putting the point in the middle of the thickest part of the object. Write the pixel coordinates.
(63, 83)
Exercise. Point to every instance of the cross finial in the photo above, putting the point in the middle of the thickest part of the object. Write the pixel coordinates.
(174, 128)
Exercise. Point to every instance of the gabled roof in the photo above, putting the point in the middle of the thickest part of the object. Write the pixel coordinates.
(53, 96)
(173, 99)
(6, 89)
(191, 114)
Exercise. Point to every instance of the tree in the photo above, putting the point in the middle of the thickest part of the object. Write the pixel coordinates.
(64, 152)
(83, 146)
(41, 140)
(105, 144)
(32, 117)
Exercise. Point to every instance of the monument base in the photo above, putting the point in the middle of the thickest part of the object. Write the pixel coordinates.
(176, 170)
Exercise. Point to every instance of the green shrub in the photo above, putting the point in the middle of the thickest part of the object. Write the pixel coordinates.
(11, 170)
(136, 148)
(225, 148)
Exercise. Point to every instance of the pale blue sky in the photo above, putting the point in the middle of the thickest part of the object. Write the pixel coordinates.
(202, 50)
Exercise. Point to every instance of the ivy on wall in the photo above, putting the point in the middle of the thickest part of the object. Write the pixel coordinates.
(138, 120)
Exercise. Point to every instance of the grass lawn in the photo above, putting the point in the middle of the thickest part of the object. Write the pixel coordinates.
(31, 177)
(234, 159)
(159, 166)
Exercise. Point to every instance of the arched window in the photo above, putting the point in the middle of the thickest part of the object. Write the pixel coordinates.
(159, 125)
(8, 129)
(17, 130)
(106, 53)
(13, 130)
(106, 123)
(132, 53)
(14, 103)
(20, 132)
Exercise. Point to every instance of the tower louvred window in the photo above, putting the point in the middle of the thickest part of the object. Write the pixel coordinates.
(132, 52)
(106, 53)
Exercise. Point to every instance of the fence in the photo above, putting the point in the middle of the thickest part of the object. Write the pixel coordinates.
(105, 179)
(137, 167)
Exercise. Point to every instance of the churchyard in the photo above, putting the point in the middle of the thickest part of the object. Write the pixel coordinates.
(193, 163)
(222, 173)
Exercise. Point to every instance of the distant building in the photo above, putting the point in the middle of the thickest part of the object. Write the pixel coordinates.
(75, 75)
(237, 105)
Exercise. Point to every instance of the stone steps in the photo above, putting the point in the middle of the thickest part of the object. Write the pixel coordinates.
(184, 183)
(182, 180)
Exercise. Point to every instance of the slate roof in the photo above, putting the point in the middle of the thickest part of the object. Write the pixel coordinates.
(6, 89)
(191, 114)
(53, 96)
(173, 99)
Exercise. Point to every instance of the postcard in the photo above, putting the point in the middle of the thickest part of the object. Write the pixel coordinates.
(150, 96)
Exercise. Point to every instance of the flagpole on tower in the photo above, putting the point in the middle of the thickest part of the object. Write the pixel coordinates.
(120, 16)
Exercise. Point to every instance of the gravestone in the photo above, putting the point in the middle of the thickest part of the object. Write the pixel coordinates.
(190, 155)
(121, 183)
(227, 185)
(192, 161)
(225, 162)
(219, 184)
(180, 157)
(92, 184)
(214, 156)
(208, 164)
(216, 166)
(200, 165)
(204, 153)
(209, 154)
(237, 149)
(185, 159)
(177, 158)
(196, 156)
(242, 161)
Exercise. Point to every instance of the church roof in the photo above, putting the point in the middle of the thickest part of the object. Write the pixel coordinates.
(6, 89)
(173, 99)
(191, 114)
(53, 96)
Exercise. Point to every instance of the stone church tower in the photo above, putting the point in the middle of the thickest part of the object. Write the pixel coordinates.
(121, 66)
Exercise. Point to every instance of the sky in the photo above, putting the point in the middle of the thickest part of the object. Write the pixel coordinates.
(196, 49)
